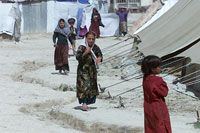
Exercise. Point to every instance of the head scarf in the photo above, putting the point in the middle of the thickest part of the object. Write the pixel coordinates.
(94, 57)
(64, 31)
(96, 13)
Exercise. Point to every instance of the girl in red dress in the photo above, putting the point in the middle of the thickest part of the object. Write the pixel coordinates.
(96, 22)
(156, 115)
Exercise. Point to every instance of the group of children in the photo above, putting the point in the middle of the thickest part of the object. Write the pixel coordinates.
(62, 34)
(156, 115)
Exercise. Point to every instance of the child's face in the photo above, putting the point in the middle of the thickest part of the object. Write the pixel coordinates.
(71, 24)
(156, 70)
(62, 24)
(90, 40)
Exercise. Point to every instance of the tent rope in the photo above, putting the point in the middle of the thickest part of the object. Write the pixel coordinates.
(106, 48)
(162, 77)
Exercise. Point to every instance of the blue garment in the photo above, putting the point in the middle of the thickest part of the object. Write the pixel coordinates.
(79, 18)
(83, 1)
(122, 15)
(67, 0)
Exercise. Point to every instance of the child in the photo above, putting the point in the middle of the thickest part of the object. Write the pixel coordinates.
(156, 115)
(73, 33)
(61, 47)
(122, 13)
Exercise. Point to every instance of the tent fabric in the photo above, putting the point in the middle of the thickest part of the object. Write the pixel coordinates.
(83, 1)
(79, 18)
(67, 0)
(111, 22)
(167, 6)
(146, 17)
(15, 13)
(192, 53)
(7, 22)
(174, 30)
(57, 10)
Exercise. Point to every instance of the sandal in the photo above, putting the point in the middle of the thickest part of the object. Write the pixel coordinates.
(85, 108)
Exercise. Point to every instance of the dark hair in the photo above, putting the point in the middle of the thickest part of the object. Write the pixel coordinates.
(90, 33)
(150, 62)
(62, 20)
(71, 20)
(94, 9)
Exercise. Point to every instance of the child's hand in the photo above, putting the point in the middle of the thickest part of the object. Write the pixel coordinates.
(88, 50)
(98, 60)
(55, 45)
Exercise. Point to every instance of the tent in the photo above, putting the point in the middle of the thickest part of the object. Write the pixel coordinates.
(10, 20)
(174, 30)
(7, 22)
(56, 10)
(43, 16)
(175, 33)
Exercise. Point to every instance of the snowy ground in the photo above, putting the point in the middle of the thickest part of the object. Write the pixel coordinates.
(35, 98)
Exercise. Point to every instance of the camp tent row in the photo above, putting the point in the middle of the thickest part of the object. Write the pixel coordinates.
(43, 15)
(173, 32)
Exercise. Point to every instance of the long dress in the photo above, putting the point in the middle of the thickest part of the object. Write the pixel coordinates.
(61, 52)
(156, 115)
(86, 86)
(96, 19)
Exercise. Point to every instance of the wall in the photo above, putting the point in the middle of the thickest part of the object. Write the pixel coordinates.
(35, 17)
(146, 2)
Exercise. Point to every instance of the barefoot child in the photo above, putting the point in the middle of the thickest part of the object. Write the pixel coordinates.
(156, 115)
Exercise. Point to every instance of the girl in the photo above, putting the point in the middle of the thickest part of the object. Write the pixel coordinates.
(95, 22)
(122, 13)
(88, 55)
(156, 115)
(61, 33)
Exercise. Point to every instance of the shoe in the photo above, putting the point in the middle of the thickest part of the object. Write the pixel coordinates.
(85, 108)
(60, 71)
(66, 72)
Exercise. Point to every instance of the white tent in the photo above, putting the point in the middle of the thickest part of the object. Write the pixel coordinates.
(174, 30)
(50, 13)
(56, 10)
(7, 22)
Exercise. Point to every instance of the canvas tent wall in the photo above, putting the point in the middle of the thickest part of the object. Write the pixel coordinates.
(10, 20)
(173, 34)
(43, 16)
(174, 30)
(6, 22)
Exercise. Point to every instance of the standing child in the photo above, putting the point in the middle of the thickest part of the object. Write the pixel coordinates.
(72, 35)
(96, 22)
(61, 47)
(122, 13)
(156, 115)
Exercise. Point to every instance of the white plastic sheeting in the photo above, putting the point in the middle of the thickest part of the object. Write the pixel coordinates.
(6, 21)
(175, 29)
(57, 10)
(111, 22)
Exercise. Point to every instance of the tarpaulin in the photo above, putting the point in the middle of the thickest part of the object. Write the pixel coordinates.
(172, 31)
(57, 10)
(79, 18)
(83, 1)
(6, 21)
(67, 0)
